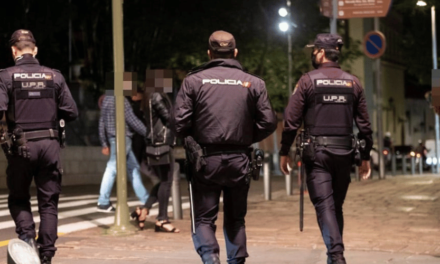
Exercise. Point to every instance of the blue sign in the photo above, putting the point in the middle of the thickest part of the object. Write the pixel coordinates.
(374, 44)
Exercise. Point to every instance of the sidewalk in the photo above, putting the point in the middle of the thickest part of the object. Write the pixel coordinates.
(389, 221)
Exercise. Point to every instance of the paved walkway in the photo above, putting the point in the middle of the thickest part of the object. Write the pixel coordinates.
(389, 221)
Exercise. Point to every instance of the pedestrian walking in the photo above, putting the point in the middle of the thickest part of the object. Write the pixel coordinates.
(328, 99)
(35, 98)
(107, 135)
(225, 110)
(159, 162)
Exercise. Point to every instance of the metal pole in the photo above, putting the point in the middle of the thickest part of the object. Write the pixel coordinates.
(379, 109)
(434, 58)
(404, 164)
(266, 173)
(121, 225)
(420, 165)
(70, 43)
(393, 164)
(413, 165)
(289, 49)
(275, 156)
(334, 19)
(177, 198)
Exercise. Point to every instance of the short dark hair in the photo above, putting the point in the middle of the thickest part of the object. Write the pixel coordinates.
(21, 45)
(222, 55)
(332, 54)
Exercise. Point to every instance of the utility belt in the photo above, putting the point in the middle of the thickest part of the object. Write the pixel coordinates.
(211, 150)
(16, 142)
(41, 134)
(345, 142)
(309, 144)
(195, 155)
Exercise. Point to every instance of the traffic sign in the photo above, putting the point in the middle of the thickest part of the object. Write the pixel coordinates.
(374, 44)
(356, 8)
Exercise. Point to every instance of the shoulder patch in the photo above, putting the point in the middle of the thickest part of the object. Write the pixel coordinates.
(294, 90)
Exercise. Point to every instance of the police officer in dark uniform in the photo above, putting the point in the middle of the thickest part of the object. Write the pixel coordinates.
(328, 100)
(226, 110)
(34, 98)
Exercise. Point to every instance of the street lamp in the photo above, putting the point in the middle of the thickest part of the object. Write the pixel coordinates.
(283, 12)
(284, 26)
(421, 3)
(434, 59)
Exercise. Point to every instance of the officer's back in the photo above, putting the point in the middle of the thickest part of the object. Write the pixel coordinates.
(34, 98)
(225, 110)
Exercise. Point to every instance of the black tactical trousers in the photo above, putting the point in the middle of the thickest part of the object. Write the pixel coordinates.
(45, 168)
(227, 173)
(327, 181)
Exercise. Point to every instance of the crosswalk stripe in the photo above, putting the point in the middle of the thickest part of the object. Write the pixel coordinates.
(77, 226)
(4, 203)
(64, 215)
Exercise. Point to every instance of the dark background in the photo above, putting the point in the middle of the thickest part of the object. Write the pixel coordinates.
(173, 34)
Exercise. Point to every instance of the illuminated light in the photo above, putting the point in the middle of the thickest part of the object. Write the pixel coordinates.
(434, 161)
(284, 26)
(419, 197)
(283, 12)
(412, 153)
(418, 155)
(299, 163)
(385, 152)
(421, 3)
(429, 161)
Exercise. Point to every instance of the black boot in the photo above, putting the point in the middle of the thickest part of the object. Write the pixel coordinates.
(31, 242)
(211, 259)
(338, 259)
(46, 260)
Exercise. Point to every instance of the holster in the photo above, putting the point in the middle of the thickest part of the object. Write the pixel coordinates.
(256, 164)
(308, 155)
(5, 142)
(194, 153)
(62, 133)
(360, 146)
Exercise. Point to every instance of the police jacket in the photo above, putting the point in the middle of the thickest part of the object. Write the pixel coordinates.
(158, 119)
(327, 100)
(34, 97)
(219, 103)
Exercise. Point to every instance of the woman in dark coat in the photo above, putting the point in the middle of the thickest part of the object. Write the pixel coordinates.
(157, 111)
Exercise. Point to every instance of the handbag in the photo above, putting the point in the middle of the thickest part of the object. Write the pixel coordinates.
(159, 153)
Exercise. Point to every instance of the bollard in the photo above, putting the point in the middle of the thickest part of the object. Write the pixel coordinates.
(420, 165)
(413, 165)
(404, 164)
(289, 183)
(266, 175)
(176, 197)
(393, 164)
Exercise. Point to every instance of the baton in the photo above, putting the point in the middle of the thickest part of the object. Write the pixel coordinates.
(302, 186)
(191, 205)
(189, 177)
